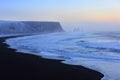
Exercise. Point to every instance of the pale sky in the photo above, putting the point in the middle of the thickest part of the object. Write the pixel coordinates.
(65, 11)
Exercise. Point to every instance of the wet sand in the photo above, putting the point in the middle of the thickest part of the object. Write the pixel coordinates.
(21, 66)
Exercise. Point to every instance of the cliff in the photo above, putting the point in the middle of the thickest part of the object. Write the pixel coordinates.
(17, 27)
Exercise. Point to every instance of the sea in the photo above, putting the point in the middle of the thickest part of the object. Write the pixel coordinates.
(98, 51)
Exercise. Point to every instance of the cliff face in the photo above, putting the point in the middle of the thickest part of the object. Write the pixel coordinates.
(17, 27)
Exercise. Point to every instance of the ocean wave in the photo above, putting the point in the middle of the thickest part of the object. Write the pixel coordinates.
(97, 52)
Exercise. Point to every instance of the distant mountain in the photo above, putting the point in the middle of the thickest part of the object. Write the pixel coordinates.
(18, 27)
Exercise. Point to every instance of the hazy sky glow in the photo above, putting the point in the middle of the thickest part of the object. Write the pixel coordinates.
(61, 10)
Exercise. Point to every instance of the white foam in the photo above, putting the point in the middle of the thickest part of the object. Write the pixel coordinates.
(110, 69)
(8, 35)
(71, 48)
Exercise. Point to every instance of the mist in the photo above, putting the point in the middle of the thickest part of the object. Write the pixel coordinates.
(84, 27)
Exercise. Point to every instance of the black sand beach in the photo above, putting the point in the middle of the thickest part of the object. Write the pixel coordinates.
(19, 66)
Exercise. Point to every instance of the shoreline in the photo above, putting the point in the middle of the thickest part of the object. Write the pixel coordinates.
(16, 65)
